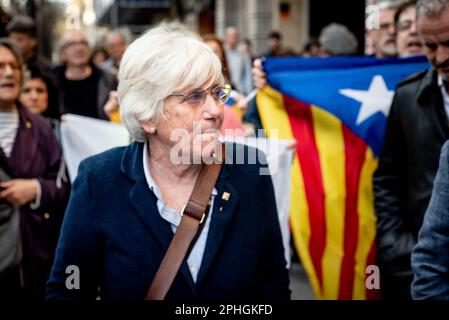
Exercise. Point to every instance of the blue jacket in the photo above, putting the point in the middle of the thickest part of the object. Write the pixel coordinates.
(113, 233)
(430, 257)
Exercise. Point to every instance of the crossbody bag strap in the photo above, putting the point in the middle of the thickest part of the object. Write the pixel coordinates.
(193, 214)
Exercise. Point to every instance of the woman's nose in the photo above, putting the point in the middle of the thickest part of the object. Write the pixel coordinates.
(33, 95)
(212, 107)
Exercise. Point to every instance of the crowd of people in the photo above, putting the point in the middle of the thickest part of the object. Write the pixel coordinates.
(162, 81)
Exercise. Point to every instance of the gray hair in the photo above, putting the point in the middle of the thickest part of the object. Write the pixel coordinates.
(336, 39)
(158, 63)
(431, 7)
(122, 33)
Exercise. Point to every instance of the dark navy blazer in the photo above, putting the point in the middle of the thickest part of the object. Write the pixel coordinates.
(114, 235)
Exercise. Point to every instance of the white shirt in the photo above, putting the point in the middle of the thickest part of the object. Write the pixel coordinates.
(444, 93)
(9, 123)
(174, 218)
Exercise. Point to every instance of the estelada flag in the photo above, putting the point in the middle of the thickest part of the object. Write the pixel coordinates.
(336, 108)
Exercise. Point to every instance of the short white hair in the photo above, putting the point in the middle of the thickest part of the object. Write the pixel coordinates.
(155, 65)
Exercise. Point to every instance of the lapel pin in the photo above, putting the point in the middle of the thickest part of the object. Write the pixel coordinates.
(225, 196)
(28, 124)
(221, 209)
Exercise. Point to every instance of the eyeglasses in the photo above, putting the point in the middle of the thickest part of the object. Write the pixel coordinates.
(14, 66)
(71, 44)
(197, 97)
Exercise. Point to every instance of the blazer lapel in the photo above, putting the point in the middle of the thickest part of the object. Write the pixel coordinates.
(429, 95)
(144, 204)
(224, 209)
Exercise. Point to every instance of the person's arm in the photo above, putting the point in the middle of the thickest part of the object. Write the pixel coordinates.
(394, 242)
(77, 253)
(274, 267)
(430, 257)
(259, 75)
(48, 192)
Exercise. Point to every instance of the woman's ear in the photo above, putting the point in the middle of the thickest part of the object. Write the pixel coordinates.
(149, 127)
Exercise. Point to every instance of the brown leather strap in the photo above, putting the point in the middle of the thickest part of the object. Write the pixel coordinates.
(193, 214)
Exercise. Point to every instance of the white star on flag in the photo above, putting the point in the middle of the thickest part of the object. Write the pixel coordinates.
(376, 98)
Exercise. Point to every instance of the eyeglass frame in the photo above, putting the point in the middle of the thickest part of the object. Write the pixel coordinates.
(72, 44)
(226, 88)
(15, 66)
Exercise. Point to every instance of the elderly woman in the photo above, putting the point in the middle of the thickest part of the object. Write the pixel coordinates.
(127, 203)
(33, 192)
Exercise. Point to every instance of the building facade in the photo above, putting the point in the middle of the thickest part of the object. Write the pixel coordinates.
(256, 18)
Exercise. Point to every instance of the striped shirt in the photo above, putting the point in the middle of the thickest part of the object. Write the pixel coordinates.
(9, 123)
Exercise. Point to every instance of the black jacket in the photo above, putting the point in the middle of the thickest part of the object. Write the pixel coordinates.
(416, 131)
(106, 83)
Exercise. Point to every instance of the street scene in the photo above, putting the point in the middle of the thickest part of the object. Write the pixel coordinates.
(224, 150)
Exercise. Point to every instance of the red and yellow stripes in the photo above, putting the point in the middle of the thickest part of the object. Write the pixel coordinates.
(332, 214)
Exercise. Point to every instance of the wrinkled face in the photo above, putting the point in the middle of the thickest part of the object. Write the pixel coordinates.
(25, 43)
(191, 124)
(34, 95)
(116, 47)
(10, 77)
(408, 42)
(384, 38)
(434, 33)
(76, 49)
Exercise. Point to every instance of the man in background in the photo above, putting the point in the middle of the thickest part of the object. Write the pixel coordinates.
(275, 48)
(116, 44)
(384, 37)
(84, 89)
(417, 128)
(239, 64)
(22, 31)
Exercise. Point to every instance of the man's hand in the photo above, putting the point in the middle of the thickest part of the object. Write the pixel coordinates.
(259, 76)
(19, 191)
